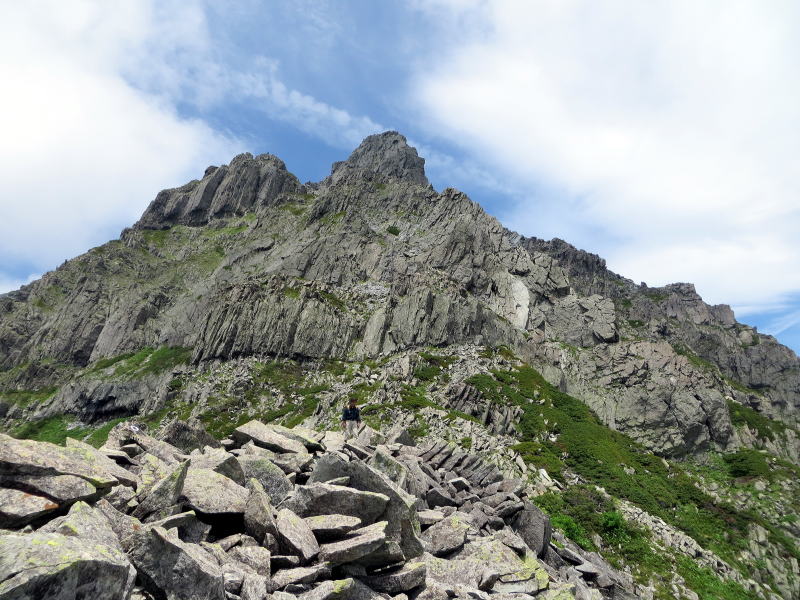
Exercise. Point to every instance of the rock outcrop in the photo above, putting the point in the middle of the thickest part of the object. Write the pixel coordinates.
(363, 536)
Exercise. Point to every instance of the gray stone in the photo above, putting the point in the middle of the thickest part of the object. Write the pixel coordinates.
(356, 546)
(62, 489)
(398, 579)
(403, 527)
(164, 493)
(258, 519)
(208, 492)
(268, 474)
(429, 517)
(533, 526)
(327, 527)
(220, 461)
(448, 535)
(299, 575)
(188, 435)
(26, 457)
(19, 508)
(254, 587)
(180, 571)
(57, 567)
(296, 535)
(97, 457)
(322, 498)
(84, 522)
(255, 557)
(266, 437)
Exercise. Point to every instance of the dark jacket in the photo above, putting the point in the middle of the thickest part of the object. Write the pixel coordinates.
(351, 414)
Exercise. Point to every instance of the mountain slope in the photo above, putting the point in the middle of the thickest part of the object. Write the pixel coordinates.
(250, 295)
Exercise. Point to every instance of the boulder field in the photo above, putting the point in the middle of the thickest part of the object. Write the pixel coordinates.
(276, 513)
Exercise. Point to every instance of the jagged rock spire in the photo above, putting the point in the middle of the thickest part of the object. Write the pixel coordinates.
(386, 155)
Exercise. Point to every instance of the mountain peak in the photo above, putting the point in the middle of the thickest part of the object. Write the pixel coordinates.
(387, 155)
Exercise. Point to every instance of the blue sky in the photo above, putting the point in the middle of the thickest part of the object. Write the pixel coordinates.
(662, 136)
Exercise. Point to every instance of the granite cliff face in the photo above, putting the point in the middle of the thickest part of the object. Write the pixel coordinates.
(371, 261)
(248, 294)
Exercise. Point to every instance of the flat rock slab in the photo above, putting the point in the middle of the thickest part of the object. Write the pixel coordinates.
(19, 508)
(341, 589)
(211, 493)
(323, 498)
(448, 535)
(174, 569)
(326, 527)
(359, 544)
(164, 493)
(60, 488)
(255, 557)
(285, 577)
(95, 456)
(429, 517)
(58, 567)
(266, 437)
(398, 580)
(26, 457)
(258, 519)
(268, 474)
(296, 534)
(220, 461)
(84, 522)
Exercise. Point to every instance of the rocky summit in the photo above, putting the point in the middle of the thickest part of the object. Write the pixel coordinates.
(534, 425)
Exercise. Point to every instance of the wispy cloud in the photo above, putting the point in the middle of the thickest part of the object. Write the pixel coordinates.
(661, 135)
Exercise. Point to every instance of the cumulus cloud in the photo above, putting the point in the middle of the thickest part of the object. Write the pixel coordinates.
(91, 125)
(83, 151)
(662, 135)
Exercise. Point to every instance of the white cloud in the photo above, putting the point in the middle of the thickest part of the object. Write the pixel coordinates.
(665, 132)
(90, 126)
(82, 151)
(13, 283)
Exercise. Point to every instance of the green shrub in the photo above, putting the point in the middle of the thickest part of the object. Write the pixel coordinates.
(393, 229)
(744, 415)
(747, 463)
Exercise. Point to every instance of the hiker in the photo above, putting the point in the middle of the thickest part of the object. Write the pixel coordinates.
(351, 419)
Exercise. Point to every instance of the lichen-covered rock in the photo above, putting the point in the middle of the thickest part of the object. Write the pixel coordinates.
(322, 499)
(402, 524)
(26, 457)
(173, 569)
(18, 508)
(53, 566)
(85, 522)
(359, 544)
(268, 475)
(211, 493)
(331, 526)
(295, 533)
(163, 494)
(448, 535)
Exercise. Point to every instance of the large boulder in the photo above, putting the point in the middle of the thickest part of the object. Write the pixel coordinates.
(332, 526)
(220, 461)
(163, 494)
(84, 522)
(18, 508)
(172, 569)
(27, 457)
(57, 567)
(448, 535)
(188, 435)
(533, 526)
(268, 474)
(266, 437)
(63, 489)
(402, 531)
(258, 519)
(323, 498)
(359, 544)
(397, 580)
(209, 492)
(294, 533)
